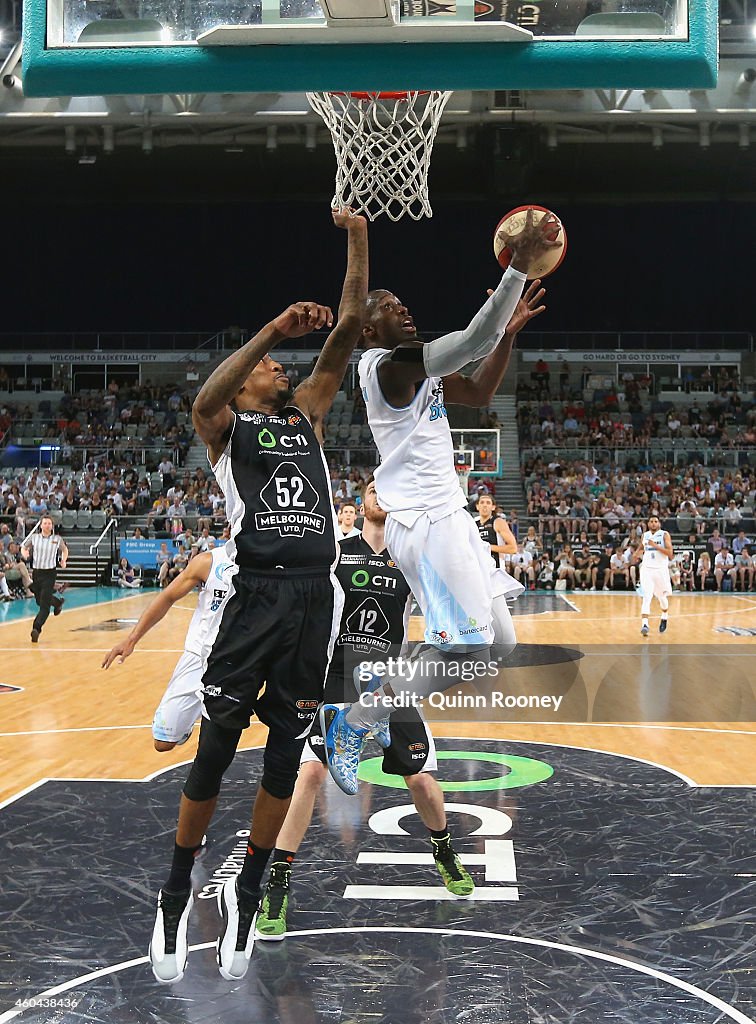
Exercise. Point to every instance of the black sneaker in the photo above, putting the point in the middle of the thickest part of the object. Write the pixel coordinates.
(271, 920)
(168, 948)
(663, 626)
(35, 636)
(59, 602)
(238, 910)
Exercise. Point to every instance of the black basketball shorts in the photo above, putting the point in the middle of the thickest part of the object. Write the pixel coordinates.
(272, 651)
(412, 749)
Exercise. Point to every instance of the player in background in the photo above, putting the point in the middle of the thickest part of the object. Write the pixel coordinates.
(181, 705)
(275, 639)
(405, 383)
(374, 620)
(347, 515)
(655, 553)
(493, 529)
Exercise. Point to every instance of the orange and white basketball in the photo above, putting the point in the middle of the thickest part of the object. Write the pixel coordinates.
(513, 223)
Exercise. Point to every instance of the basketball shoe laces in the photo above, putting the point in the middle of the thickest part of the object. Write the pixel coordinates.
(247, 908)
(278, 888)
(173, 907)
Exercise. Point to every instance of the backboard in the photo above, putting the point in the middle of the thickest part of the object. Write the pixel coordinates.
(88, 47)
(482, 446)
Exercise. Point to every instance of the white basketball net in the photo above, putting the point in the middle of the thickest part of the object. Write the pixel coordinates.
(383, 149)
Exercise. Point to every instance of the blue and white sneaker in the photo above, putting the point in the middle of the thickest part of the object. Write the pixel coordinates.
(381, 733)
(343, 746)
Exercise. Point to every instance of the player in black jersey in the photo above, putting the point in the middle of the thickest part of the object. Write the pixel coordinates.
(279, 624)
(493, 529)
(373, 625)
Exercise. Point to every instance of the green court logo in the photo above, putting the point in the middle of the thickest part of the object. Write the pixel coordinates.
(266, 439)
(520, 771)
(360, 578)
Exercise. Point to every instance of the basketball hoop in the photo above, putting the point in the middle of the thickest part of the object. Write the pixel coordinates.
(383, 143)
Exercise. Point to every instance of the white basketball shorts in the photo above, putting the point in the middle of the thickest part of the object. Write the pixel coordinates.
(654, 583)
(452, 575)
(181, 704)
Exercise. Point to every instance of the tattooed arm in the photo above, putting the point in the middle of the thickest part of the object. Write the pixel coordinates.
(315, 395)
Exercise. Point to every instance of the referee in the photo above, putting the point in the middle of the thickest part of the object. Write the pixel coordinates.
(46, 548)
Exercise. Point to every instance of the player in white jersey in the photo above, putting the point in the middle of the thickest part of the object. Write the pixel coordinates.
(655, 553)
(429, 534)
(181, 704)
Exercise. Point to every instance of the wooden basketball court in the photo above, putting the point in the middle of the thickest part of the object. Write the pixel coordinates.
(71, 719)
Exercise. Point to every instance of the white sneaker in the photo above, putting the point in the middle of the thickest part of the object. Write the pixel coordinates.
(237, 939)
(168, 950)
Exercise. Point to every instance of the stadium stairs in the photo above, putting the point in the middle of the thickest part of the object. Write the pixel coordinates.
(83, 569)
(509, 491)
(196, 458)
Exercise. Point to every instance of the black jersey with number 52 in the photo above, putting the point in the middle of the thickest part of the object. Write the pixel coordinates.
(376, 595)
(278, 493)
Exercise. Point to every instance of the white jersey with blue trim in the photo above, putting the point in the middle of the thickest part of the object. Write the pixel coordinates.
(416, 474)
(213, 597)
(652, 558)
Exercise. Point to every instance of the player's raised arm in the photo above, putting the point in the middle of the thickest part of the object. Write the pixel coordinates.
(316, 394)
(479, 388)
(196, 572)
(211, 414)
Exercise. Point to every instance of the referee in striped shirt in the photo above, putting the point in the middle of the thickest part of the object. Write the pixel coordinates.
(47, 548)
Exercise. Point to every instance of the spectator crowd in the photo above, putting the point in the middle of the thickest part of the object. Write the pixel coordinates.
(121, 455)
(625, 413)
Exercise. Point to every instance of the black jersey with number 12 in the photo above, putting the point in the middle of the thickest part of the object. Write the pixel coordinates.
(278, 494)
(376, 597)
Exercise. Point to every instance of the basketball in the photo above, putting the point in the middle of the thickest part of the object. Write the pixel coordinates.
(513, 222)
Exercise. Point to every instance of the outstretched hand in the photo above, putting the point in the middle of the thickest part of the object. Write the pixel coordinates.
(302, 317)
(527, 307)
(345, 217)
